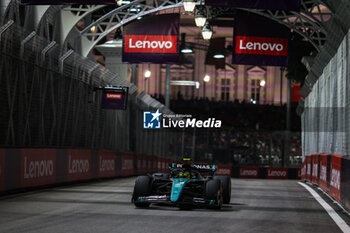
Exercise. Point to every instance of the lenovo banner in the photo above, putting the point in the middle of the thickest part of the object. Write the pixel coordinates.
(323, 171)
(224, 170)
(38, 167)
(68, 2)
(303, 170)
(114, 98)
(335, 178)
(308, 167)
(107, 163)
(288, 5)
(345, 184)
(249, 172)
(2, 170)
(260, 41)
(154, 39)
(315, 169)
(277, 173)
(78, 164)
(127, 164)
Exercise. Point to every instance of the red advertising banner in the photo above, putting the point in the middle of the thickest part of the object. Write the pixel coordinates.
(259, 41)
(335, 178)
(261, 45)
(159, 164)
(298, 173)
(164, 167)
(315, 169)
(323, 171)
(303, 170)
(287, 5)
(277, 173)
(38, 167)
(308, 167)
(2, 170)
(127, 164)
(224, 170)
(107, 161)
(154, 39)
(68, 2)
(155, 164)
(149, 163)
(150, 44)
(295, 95)
(78, 164)
(249, 172)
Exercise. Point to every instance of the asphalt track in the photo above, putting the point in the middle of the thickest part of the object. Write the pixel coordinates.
(256, 206)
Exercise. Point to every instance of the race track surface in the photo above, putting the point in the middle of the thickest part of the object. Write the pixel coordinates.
(256, 206)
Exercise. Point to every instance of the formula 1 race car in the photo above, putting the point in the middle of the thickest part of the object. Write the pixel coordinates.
(186, 186)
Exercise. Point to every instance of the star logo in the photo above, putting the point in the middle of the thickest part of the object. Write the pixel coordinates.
(151, 120)
(156, 115)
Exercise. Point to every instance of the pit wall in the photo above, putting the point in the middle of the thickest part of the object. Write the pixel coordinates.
(331, 173)
(28, 167)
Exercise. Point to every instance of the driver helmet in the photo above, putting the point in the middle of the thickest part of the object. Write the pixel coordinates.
(185, 174)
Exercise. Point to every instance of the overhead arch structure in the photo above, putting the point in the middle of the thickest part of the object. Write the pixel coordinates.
(322, 22)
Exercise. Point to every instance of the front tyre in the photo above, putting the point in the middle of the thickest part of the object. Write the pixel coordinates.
(226, 188)
(213, 192)
(143, 187)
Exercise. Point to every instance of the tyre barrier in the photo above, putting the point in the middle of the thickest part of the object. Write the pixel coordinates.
(331, 173)
(37, 167)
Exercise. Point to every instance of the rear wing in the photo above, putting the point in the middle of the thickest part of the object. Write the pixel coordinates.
(202, 168)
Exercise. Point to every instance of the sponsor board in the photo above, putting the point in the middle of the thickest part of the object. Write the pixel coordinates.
(114, 98)
(335, 176)
(78, 164)
(277, 173)
(150, 44)
(308, 167)
(2, 170)
(259, 41)
(106, 163)
(303, 170)
(154, 39)
(323, 171)
(127, 168)
(248, 172)
(288, 5)
(38, 167)
(315, 169)
(223, 170)
(298, 173)
(68, 2)
(261, 46)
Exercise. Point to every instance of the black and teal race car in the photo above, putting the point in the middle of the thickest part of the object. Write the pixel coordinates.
(186, 186)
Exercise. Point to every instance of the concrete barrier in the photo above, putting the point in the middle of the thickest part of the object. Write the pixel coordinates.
(35, 167)
(331, 173)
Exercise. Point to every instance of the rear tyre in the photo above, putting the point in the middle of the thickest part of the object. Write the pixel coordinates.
(213, 191)
(142, 188)
(226, 188)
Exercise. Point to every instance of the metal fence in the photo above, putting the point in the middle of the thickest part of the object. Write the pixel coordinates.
(48, 99)
(325, 119)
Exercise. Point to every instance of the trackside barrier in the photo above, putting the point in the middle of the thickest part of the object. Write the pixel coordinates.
(266, 172)
(324, 172)
(2, 170)
(331, 173)
(315, 172)
(308, 167)
(35, 167)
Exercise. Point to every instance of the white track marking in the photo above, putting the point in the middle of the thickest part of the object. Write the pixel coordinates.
(336, 218)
